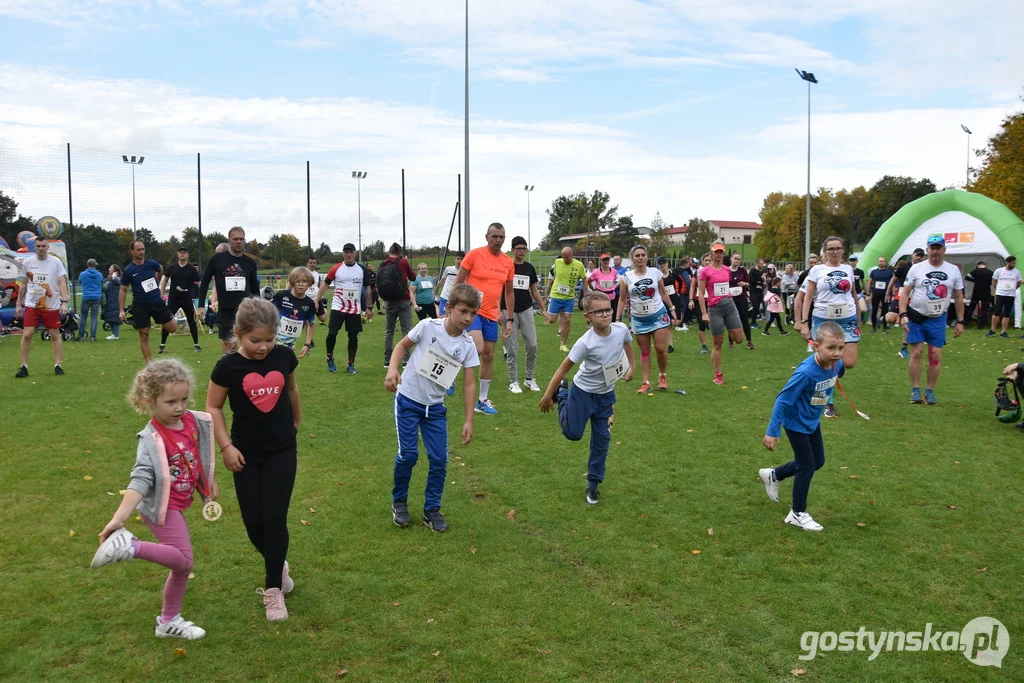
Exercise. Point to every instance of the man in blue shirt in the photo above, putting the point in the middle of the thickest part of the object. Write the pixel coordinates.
(143, 275)
(91, 281)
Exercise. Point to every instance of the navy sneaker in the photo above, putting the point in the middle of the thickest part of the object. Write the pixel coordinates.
(400, 513)
(331, 366)
(434, 520)
(593, 496)
(350, 369)
(903, 353)
(929, 397)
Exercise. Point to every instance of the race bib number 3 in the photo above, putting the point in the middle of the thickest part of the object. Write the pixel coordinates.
(562, 290)
(721, 289)
(288, 328)
(834, 311)
(234, 283)
(520, 282)
(616, 370)
(438, 367)
(148, 285)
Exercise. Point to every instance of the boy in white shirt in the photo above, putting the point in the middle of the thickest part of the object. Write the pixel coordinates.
(605, 355)
(440, 347)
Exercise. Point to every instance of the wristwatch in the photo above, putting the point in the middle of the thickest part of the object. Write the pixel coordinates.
(959, 321)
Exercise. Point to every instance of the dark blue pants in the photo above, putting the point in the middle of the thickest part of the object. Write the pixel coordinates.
(575, 408)
(411, 420)
(808, 457)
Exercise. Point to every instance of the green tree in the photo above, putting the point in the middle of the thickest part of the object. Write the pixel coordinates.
(323, 252)
(374, 251)
(579, 213)
(781, 234)
(92, 241)
(623, 237)
(1001, 175)
(892, 193)
(699, 236)
(11, 222)
(657, 223)
(284, 250)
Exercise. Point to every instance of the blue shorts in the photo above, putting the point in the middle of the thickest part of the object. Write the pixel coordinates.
(488, 327)
(442, 307)
(556, 306)
(851, 327)
(932, 332)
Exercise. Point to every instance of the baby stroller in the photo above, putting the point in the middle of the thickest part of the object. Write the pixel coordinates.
(68, 327)
(1004, 404)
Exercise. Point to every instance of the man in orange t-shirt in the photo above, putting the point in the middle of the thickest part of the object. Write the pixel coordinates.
(491, 271)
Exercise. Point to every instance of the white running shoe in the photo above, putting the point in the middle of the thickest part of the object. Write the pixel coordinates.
(532, 385)
(287, 583)
(179, 628)
(515, 388)
(771, 484)
(802, 520)
(112, 338)
(680, 329)
(117, 548)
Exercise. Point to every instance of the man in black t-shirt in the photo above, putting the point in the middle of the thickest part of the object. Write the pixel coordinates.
(179, 281)
(525, 294)
(234, 277)
(981, 294)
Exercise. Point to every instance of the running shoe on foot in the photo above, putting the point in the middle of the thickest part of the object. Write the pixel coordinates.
(663, 382)
(680, 329)
(1004, 336)
(903, 353)
(915, 395)
(766, 333)
(112, 337)
(485, 407)
(531, 384)
(515, 388)
(593, 496)
(704, 350)
(830, 411)
(929, 397)
(990, 333)
(755, 326)
(58, 370)
(117, 548)
(645, 387)
(179, 628)
(22, 371)
(331, 365)
(784, 333)
(162, 349)
(400, 513)
(730, 345)
(771, 484)
(287, 583)
(750, 345)
(434, 521)
(719, 378)
(197, 348)
(671, 349)
(885, 330)
(273, 602)
(450, 391)
(803, 521)
(351, 369)
(563, 348)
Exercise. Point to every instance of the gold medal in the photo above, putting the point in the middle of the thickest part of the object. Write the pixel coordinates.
(212, 511)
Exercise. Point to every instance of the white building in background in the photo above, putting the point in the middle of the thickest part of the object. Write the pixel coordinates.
(736, 232)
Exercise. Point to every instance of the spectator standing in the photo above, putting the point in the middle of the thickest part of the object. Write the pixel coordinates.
(393, 279)
(111, 312)
(91, 282)
(981, 276)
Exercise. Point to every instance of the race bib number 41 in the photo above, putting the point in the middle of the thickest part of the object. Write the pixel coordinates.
(835, 311)
(439, 368)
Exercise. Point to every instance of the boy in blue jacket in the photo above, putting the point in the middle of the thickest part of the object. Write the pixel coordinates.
(91, 282)
(798, 409)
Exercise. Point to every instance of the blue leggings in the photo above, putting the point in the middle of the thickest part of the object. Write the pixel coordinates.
(808, 457)
(576, 408)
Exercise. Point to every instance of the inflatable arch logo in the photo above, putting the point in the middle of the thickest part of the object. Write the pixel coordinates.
(973, 226)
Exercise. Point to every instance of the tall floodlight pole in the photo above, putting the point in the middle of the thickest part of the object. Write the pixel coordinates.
(968, 131)
(529, 240)
(809, 77)
(465, 224)
(133, 162)
(359, 176)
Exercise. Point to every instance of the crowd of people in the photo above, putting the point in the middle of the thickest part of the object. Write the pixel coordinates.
(487, 296)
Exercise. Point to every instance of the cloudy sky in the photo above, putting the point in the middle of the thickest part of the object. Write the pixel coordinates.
(690, 108)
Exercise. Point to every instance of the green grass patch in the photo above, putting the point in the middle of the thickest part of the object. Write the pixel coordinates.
(562, 591)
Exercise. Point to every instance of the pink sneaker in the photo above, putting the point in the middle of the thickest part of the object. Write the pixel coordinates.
(273, 601)
(287, 584)
(719, 378)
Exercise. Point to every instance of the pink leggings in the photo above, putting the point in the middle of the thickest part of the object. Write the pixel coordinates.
(174, 551)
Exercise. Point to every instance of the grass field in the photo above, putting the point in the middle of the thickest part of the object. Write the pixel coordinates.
(683, 572)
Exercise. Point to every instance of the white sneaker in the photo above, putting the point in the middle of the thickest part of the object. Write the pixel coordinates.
(802, 520)
(112, 338)
(531, 384)
(179, 628)
(771, 484)
(680, 329)
(515, 388)
(117, 548)
(287, 583)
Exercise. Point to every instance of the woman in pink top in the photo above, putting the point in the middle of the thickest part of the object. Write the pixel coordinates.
(605, 279)
(715, 297)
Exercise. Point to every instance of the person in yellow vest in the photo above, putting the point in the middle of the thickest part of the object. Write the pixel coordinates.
(567, 271)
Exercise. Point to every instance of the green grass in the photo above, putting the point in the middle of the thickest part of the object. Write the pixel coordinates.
(561, 592)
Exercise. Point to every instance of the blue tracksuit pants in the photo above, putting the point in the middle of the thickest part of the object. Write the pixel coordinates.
(576, 407)
(411, 420)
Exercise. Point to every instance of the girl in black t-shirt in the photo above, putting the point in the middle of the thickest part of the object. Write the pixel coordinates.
(258, 380)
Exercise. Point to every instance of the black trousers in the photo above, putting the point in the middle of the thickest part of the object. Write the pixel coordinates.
(756, 301)
(741, 306)
(188, 308)
(986, 307)
(264, 492)
(353, 325)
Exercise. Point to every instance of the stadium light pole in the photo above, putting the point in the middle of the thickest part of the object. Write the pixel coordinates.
(968, 131)
(809, 77)
(133, 163)
(529, 240)
(465, 203)
(359, 176)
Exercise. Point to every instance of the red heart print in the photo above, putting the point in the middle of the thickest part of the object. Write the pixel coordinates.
(263, 390)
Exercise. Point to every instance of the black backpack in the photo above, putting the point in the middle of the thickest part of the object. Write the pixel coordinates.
(391, 283)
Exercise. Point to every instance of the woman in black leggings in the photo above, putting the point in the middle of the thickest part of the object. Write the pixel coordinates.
(738, 279)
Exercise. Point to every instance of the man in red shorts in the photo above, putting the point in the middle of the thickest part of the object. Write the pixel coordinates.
(491, 271)
(44, 296)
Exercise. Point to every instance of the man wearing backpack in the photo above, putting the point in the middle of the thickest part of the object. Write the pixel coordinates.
(393, 287)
